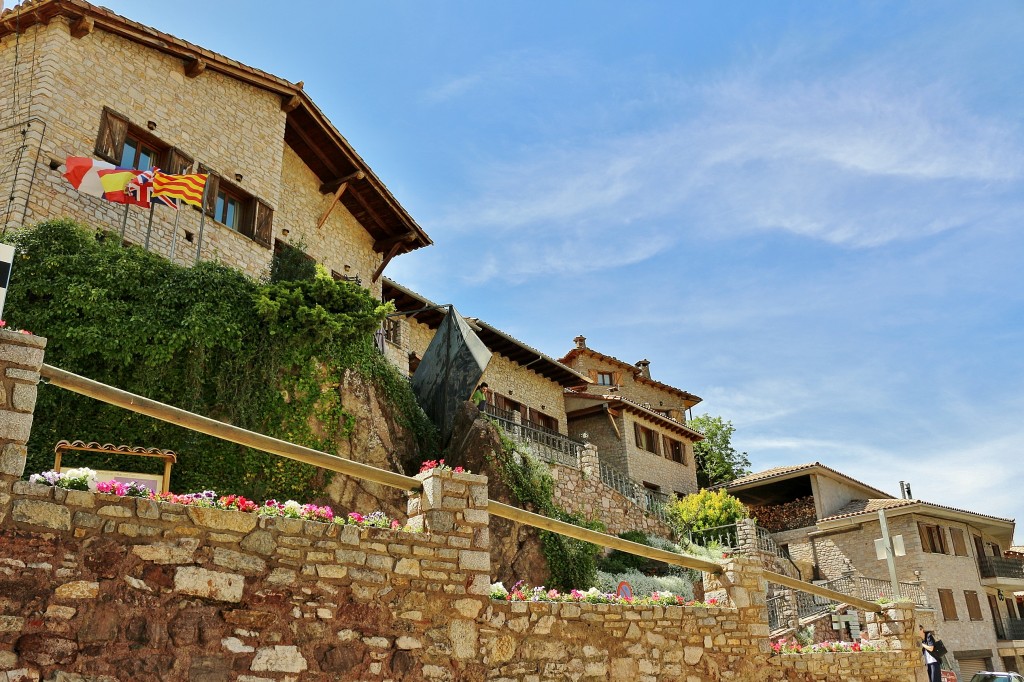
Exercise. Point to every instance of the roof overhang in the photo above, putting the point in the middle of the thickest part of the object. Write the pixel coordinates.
(431, 314)
(688, 398)
(307, 130)
(802, 470)
(992, 525)
(617, 402)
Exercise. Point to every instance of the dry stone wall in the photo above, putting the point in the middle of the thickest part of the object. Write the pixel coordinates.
(99, 588)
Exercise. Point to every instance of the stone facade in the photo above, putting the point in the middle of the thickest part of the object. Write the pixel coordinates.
(228, 125)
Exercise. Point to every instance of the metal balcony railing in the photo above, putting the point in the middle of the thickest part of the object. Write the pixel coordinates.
(776, 613)
(1014, 628)
(546, 444)
(1001, 567)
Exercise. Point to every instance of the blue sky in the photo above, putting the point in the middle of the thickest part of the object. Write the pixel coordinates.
(807, 213)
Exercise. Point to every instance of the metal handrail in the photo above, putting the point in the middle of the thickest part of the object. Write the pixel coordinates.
(552, 446)
(1001, 567)
(776, 612)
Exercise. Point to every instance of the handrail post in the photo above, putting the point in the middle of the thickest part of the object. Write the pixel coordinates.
(21, 357)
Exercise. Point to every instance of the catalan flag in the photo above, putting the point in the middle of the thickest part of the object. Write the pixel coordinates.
(188, 188)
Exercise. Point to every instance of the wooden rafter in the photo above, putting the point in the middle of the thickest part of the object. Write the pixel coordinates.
(342, 185)
(366, 207)
(315, 148)
(383, 245)
(289, 104)
(387, 259)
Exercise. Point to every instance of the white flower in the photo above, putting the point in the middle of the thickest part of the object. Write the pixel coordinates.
(498, 588)
(593, 590)
(292, 505)
(81, 472)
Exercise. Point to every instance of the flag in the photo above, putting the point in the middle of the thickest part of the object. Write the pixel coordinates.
(144, 180)
(188, 188)
(104, 180)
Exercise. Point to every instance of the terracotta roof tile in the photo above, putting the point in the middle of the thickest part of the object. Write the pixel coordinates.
(858, 507)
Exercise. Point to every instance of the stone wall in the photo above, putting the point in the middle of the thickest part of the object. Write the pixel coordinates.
(99, 588)
(673, 477)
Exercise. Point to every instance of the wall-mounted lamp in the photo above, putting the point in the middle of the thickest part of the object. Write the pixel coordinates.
(151, 125)
(284, 232)
(238, 177)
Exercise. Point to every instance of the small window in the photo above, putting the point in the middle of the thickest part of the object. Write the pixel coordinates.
(228, 208)
(933, 538)
(947, 604)
(973, 605)
(233, 207)
(137, 153)
(392, 331)
(652, 486)
(646, 439)
(675, 450)
(604, 379)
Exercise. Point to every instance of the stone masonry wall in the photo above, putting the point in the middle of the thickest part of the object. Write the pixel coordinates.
(99, 588)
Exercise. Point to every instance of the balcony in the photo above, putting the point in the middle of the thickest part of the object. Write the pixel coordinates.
(1002, 572)
(545, 444)
(1014, 628)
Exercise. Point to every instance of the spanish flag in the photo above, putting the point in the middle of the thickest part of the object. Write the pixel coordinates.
(101, 179)
(188, 188)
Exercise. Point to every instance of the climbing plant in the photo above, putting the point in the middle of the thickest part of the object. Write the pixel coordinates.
(572, 563)
(268, 356)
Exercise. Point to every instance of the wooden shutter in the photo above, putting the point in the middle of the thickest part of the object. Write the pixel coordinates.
(176, 162)
(639, 435)
(263, 223)
(947, 604)
(593, 375)
(617, 378)
(212, 187)
(110, 140)
(959, 545)
(973, 605)
(940, 539)
(926, 540)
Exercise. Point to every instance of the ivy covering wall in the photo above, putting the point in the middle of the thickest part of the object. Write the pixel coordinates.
(267, 356)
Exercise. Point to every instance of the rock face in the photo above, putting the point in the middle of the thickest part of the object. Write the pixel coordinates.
(377, 439)
(515, 549)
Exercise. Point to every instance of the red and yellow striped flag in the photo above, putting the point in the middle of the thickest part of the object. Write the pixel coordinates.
(188, 188)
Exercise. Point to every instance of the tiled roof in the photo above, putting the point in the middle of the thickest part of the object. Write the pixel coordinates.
(637, 407)
(778, 472)
(634, 370)
(858, 507)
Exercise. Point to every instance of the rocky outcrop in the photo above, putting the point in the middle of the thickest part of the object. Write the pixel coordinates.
(515, 549)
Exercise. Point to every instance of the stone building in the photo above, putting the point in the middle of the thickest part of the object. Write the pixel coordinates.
(958, 563)
(525, 385)
(80, 80)
(638, 423)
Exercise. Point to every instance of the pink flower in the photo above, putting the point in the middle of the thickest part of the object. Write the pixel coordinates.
(395, 525)
(552, 594)
(3, 323)
(459, 470)
(356, 517)
(712, 601)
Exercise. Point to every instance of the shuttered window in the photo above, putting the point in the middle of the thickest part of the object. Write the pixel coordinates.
(646, 439)
(233, 207)
(973, 605)
(959, 545)
(933, 538)
(604, 378)
(947, 604)
(675, 450)
(110, 140)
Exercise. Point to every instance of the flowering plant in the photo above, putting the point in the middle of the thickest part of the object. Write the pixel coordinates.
(789, 646)
(131, 489)
(439, 464)
(81, 478)
(3, 324)
(519, 592)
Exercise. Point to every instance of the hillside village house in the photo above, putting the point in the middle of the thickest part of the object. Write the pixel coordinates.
(638, 424)
(80, 80)
(827, 523)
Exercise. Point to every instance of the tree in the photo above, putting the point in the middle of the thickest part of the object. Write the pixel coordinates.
(705, 510)
(716, 459)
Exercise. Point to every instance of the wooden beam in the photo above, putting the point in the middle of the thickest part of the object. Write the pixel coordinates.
(332, 185)
(611, 418)
(382, 244)
(602, 539)
(233, 434)
(194, 67)
(387, 259)
(332, 204)
(82, 27)
(366, 207)
(289, 104)
(797, 584)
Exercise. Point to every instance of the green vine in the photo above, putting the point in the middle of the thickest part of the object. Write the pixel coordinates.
(572, 563)
(268, 356)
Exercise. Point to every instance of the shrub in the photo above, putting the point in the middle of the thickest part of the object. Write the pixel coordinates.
(705, 509)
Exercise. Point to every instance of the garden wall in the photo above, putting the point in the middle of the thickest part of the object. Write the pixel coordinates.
(99, 588)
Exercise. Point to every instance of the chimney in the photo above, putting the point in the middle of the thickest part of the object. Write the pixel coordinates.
(645, 368)
(580, 341)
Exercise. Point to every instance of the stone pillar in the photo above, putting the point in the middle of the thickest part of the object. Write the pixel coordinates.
(455, 505)
(897, 626)
(746, 537)
(21, 358)
(590, 465)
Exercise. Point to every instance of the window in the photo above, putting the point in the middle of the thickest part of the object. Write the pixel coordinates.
(130, 146)
(538, 418)
(675, 450)
(233, 207)
(933, 539)
(392, 331)
(604, 378)
(652, 486)
(959, 545)
(646, 439)
(947, 604)
(973, 605)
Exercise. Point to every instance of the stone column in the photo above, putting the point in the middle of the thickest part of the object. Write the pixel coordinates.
(455, 505)
(590, 465)
(21, 358)
(897, 625)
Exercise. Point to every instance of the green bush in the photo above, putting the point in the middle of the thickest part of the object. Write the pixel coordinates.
(703, 510)
(208, 339)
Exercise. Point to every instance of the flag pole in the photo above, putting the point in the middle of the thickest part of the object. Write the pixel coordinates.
(149, 227)
(174, 232)
(124, 222)
(202, 220)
